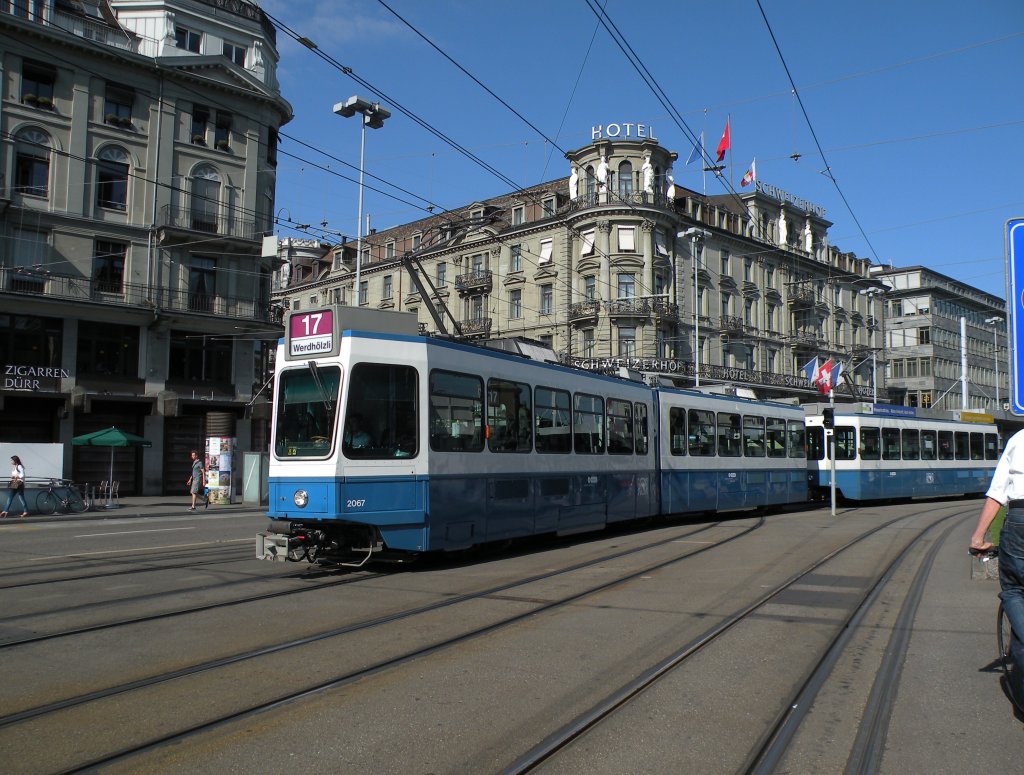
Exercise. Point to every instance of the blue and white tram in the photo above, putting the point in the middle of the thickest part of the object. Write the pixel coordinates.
(881, 457)
(719, 453)
(385, 441)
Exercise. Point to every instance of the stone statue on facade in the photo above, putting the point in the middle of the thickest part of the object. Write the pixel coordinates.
(647, 174)
(670, 185)
(808, 237)
(783, 229)
(602, 173)
(574, 183)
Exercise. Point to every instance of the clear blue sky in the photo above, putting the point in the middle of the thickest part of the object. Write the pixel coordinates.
(916, 105)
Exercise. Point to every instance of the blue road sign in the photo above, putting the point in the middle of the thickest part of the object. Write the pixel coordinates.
(1015, 310)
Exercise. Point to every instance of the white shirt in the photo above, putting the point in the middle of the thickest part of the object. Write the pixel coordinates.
(1008, 480)
(17, 472)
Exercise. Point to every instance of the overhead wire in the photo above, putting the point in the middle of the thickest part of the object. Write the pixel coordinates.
(821, 152)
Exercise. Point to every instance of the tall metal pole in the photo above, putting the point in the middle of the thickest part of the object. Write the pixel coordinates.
(995, 359)
(696, 316)
(963, 363)
(359, 224)
(832, 448)
(994, 322)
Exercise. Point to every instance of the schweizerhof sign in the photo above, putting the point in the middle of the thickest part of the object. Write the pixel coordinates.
(784, 196)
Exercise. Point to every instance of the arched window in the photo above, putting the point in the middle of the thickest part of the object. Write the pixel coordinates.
(625, 179)
(591, 182)
(205, 199)
(32, 162)
(112, 167)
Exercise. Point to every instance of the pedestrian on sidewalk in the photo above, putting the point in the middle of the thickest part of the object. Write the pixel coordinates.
(196, 482)
(16, 487)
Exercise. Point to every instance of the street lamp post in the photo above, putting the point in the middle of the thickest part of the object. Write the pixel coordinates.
(695, 234)
(994, 322)
(373, 117)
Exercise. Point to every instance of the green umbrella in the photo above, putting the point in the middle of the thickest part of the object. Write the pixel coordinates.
(110, 437)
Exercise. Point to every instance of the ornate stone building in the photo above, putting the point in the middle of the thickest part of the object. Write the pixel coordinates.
(137, 178)
(609, 265)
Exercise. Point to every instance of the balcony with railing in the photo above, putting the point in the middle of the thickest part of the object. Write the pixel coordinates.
(665, 311)
(584, 311)
(801, 296)
(477, 281)
(75, 288)
(628, 308)
(477, 328)
(179, 219)
(614, 198)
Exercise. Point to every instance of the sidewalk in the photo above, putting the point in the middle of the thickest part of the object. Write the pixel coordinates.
(133, 506)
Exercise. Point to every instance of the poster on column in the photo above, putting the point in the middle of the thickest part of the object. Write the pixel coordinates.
(220, 452)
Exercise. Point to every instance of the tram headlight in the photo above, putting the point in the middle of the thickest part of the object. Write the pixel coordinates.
(301, 498)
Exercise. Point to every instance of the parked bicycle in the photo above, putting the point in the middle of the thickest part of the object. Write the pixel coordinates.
(60, 495)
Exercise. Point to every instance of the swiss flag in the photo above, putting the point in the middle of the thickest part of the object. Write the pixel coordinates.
(723, 144)
(825, 377)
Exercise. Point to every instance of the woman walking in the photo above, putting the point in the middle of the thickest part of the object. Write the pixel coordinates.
(16, 487)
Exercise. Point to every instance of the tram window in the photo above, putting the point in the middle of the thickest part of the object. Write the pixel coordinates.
(620, 427)
(962, 445)
(642, 439)
(991, 446)
(456, 412)
(677, 430)
(701, 432)
(929, 445)
(775, 437)
(846, 442)
(796, 439)
(588, 424)
(730, 432)
(890, 443)
(306, 412)
(977, 446)
(383, 398)
(945, 445)
(869, 446)
(509, 416)
(911, 444)
(554, 424)
(753, 436)
(816, 443)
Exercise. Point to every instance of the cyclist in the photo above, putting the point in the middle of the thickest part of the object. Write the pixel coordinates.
(1007, 489)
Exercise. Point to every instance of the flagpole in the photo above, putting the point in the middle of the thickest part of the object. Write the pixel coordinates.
(832, 456)
(729, 122)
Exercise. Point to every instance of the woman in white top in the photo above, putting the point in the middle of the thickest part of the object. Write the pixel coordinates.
(17, 487)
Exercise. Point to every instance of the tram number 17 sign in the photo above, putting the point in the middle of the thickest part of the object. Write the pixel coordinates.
(1015, 307)
(311, 333)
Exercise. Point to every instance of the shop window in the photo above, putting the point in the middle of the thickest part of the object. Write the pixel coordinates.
(196, 357)
(107, 349)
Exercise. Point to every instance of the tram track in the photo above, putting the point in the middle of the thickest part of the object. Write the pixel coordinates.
(766, 755)
(243, 553)
(82, 701)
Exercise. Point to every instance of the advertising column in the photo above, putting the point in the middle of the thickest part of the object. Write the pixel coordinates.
(220, 454)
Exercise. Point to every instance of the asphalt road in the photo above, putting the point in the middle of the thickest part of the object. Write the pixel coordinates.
(152, 640)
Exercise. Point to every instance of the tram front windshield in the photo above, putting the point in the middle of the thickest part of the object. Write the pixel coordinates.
(307, 410)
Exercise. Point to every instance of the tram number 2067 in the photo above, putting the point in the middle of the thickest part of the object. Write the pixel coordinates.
(355, 503)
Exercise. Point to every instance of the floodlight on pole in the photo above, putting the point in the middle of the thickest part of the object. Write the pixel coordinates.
(373, 117)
